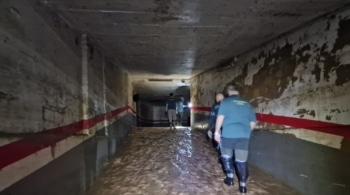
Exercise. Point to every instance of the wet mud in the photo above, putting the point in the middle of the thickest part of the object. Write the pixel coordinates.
(161, 161)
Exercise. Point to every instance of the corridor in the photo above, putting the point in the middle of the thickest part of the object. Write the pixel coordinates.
(159, 161)
(89, 87)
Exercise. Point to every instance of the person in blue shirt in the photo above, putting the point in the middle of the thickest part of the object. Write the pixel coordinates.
(171, 110)
(237, 119)
(180, 110)
(213, 113)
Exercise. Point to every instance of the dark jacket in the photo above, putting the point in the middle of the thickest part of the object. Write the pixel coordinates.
(213, 115)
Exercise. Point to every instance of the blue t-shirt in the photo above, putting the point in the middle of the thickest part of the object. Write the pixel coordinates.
(180, 106)
(171, 104)
(238, 114)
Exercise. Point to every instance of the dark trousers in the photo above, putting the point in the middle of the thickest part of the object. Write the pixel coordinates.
(180, 117)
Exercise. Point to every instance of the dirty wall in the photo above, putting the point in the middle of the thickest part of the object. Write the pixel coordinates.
(299, 85)
(151, 111)
(51, 78)
(153, 115)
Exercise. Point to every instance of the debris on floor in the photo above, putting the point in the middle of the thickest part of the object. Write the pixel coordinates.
(159, 161)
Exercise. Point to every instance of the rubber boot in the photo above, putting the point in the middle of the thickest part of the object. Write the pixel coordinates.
(243, 174)
(227, 164)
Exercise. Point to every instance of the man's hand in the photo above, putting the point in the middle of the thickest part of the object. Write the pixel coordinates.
(252, 125)
(217, 137)
(218, 124)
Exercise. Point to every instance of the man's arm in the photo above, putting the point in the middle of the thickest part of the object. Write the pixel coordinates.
(252, 124)
(220, 115)
(166, 107)
(219, 121)
(252, 118)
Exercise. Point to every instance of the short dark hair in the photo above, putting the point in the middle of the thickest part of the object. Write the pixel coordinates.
(171, 94)
(231, 87)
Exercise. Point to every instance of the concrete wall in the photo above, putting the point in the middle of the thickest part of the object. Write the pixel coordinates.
(310, 168)
(75, 171)
(154, 115)
(299, 85)
(152, 112)
(54, 83)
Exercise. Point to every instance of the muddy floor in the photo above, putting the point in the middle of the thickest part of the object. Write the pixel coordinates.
(159, 161)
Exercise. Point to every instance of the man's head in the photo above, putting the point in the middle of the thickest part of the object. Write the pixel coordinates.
(231, 89)
(171, 94)
(219, 97)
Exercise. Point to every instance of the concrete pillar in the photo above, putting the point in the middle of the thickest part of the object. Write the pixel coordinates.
(85, 84)
(104, 89)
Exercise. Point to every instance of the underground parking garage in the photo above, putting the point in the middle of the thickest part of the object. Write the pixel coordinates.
(84, 84)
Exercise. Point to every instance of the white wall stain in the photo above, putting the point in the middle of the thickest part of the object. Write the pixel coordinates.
(312, 94)
(333, 141)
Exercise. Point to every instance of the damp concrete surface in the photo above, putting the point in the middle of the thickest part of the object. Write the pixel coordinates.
(163, 161)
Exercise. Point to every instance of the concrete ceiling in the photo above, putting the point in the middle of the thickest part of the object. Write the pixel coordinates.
(177, 39)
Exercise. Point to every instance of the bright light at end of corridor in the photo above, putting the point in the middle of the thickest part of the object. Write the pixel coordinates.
(190, 105)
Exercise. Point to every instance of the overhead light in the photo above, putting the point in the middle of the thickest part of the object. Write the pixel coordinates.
(160, 80)
(228, 64)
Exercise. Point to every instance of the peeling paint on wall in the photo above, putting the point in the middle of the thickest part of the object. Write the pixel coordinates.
(305, 75)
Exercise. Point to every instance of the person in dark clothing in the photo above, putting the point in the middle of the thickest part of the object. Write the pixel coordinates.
(237, 119)
(180, 110)
(171, 110)
(212, 120)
